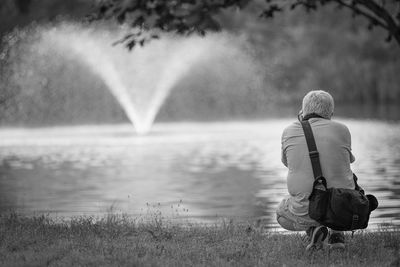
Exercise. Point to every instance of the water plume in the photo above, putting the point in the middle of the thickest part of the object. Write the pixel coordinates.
(140, 79)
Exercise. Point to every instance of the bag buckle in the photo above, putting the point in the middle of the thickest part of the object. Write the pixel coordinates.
(314, 154)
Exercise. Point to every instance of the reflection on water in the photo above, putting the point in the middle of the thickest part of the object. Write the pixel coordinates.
(210, 170)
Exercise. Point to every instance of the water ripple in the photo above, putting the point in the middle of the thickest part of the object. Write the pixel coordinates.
(229, 169)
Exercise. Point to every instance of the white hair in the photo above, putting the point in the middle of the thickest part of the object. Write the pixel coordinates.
(318, 102)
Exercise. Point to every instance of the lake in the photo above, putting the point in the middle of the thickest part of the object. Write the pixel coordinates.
(201, 172)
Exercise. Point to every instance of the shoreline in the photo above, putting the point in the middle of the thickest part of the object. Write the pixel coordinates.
(181, 220)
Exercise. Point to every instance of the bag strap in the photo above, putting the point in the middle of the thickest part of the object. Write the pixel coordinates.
(314, 154)
(312, 149)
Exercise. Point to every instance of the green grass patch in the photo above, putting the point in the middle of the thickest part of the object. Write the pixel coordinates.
(122, 241)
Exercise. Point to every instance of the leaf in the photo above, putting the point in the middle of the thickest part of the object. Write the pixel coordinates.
(269, 13)
(131, 44)
(121, 17)
(294, 5)
(126, 37)
(103, 9)
(139, 21)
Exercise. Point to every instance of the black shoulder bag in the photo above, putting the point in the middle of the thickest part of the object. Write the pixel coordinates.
(337, 208)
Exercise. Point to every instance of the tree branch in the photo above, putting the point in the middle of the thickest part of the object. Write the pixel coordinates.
(363, 13)
(379, 11)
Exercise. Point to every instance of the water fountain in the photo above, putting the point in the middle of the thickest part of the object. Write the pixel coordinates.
(140, 79)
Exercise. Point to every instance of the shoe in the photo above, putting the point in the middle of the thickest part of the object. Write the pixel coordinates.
(318, 236)
(336, 241)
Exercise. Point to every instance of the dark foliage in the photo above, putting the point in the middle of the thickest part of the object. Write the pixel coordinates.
(188, 16)
(183, 17)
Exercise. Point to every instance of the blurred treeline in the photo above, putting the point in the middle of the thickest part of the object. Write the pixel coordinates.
(329, 50)
(296, 52)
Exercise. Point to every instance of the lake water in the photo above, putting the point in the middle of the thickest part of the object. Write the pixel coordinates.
(197, 171)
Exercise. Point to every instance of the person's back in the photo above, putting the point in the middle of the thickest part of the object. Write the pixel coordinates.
(334, 146)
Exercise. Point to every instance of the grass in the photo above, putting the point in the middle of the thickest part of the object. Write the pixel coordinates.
(122, 241)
